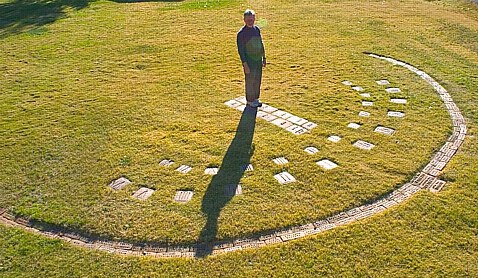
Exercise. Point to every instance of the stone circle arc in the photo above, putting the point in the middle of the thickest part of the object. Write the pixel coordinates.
(426, 179)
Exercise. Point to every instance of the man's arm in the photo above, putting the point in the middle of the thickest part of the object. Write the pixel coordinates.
(241, 48)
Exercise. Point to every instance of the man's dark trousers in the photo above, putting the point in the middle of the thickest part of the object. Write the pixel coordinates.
(253, 81)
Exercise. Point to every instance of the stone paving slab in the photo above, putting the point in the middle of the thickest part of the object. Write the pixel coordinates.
(211, 171)
(367, 103)
(347, 83)
(282, 114)
(354, 125)
(280, 160)
(311, 150)
(281, 123)
(183, 196)
(326, 164)
(357, 88)
(393, 90)
(366, 95)
(382, 82)
(143, 193)
(334, 138)
(398, 100)
(284, 178)
(364, 114)
(184, 169)
(384, 130)
(309, 125)
(297, 130)
(396, 114)
(166, 162)
(119, 183)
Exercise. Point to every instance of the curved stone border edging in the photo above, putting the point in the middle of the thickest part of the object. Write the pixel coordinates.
(425, 179)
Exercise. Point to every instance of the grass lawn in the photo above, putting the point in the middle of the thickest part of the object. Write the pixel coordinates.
(94, 91)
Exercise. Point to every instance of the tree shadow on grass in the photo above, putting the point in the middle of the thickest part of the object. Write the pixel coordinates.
(223, 185)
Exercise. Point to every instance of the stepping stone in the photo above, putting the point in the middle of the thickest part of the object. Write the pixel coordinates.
(347, 83)
(232, 190)
(309, 125)
(211, 171)
(383, 82)
(143, 193)
(384, 130)
(395, 114)
(365, 95)
(354, 125)
(297, 130)
(326, 164)
(280, 160)
(184, 169)
(364, 114)
(367, 103)
(183, 196)
(267, 117)
(281, 123)
(297, 120)
(282, 114)
(357, 88)
(242, 100)
(334, 138)
(311, 150)
(247, 168)
(393, 90)
(284, 178)
(398, 100)
(241, 107)
(267, 108)
(233, 103)
(363, 145)
(166, 162)
(119, 183)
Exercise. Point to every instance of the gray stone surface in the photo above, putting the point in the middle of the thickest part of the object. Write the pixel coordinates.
(284, 178)
(119, 183)
(364, 114)
(211, 171)
(326, 164)
(347, 83)
(184, 169)
(311, 150)
(398, 100)
(166, 162)
(309, 125)
(280, 160)
(396, 114)
(354, 125)
(363, 145)
(393, 90)
(297, 130)
(357, 88)
(334, 138)
(143, 193)
(367, 103)
(183, 196)
(382, 82)
(366, 95)
(384, 130)
(281, 123)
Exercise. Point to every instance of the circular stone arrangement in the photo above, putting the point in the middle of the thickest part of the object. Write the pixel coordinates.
(425, 179)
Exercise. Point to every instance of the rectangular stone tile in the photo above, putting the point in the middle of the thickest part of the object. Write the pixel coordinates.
(367, 103)
(396, 114)
(281, 123)
(363, 145)
(119, 183)
(183, 196)
(311, 150)
(354, 125)
(347, 83)
(267, 108)
(384, 130)
(241, 99)
(284, 178)
(364, 114)
(233, 103)
(166, 162)
(211, 171)
(382, 82)
(334, 138)
(297, 130)
(273, 240)
(297, 120)
(309, 125)
(326, 164)
(437, 185)
(292, 236)
(398, 100)
(184, 169)
(143, 193)
(241, 108)
(365, 95)
(268, 117)
(280, 160)
(282, 114)
(393, 90)
(357, 88)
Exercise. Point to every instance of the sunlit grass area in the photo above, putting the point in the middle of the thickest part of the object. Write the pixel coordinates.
(108, 89)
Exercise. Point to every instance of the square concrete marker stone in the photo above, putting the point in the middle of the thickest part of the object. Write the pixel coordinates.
(365, 95)
(357, 88)
(367, 103)
(363, 145)
(119, 183)
(211, 171)
(233, 103)
(242, 99)
(334, 138)
(309, 125)
(364, 114)
(398, 100)
(280, 160)
(297, 120)
(183, 196)
(383, 82)
(311, 150)
(166, 162)
(347, 83)
(267, 108)
(326, 164)
(284, 178)
(384, 130)
(354, 125)
(143, 193)
(184, 169)
(281, 123)
(297, 130)
(268, 117)
(232, 190)
(281, 114)
(393, 90)
(241, 107)
(395, 114)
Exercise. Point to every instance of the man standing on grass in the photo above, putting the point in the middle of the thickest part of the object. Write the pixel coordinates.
(253, 57)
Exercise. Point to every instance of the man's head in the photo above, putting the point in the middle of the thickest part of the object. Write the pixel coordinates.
(249, 17)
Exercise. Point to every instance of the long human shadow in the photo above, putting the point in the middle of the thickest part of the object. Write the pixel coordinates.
(223, 185)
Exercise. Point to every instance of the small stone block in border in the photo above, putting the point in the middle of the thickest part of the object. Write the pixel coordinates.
(184, 169)
(268, 117)
(364, 114)
(365, 95)
(280, 160)
(267, 108)
(241, 107)
(242, 99)
(383, 82)
(326, 164)
(437, 186)
(311, 150)
(384, 130)
(183, 196)
(282, 114)
(309, 125)
(291, 236)
(347, 83)
(297, 130)
(354, 125)
(367, 103)
(232, 190)
(281, 123)
(393, 90)
(357, 88)
(284, 178)
(297, 120)
(166, 162)
(334, 138)
(233, 103)
(363, 145)
(396, 114)
(211, 171)
(119, 183)
(143, 193)
(398, 100)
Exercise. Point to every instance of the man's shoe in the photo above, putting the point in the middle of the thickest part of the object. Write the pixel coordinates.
(256, 103)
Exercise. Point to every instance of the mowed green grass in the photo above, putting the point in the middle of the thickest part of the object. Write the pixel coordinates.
(113, 88)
